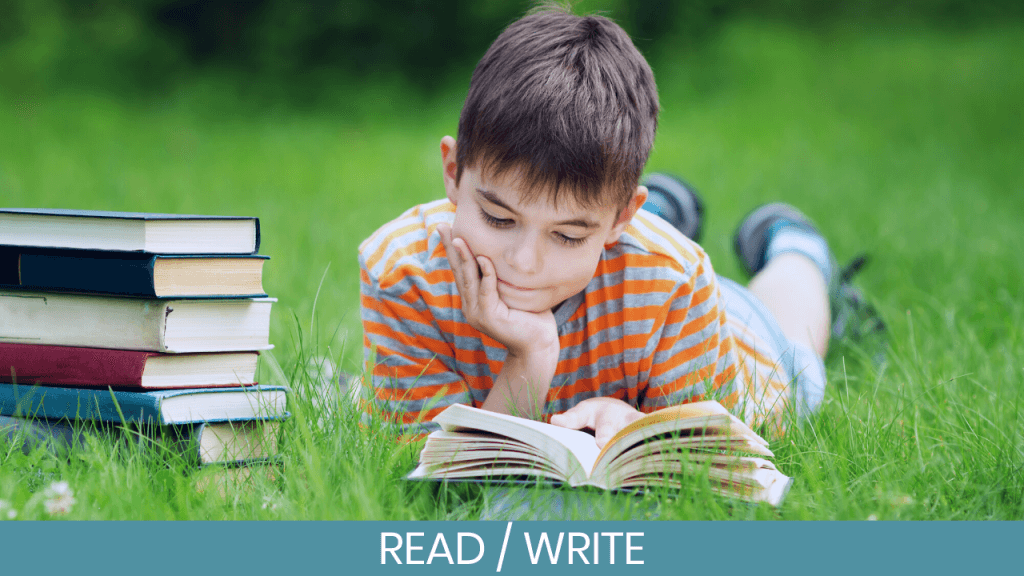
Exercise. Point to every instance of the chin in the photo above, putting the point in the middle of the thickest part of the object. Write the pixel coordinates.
(518, 302)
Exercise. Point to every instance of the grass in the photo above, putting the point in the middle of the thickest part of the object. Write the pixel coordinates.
(902, 143)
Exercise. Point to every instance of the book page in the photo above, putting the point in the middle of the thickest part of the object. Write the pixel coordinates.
(708, 417)
(572, 451)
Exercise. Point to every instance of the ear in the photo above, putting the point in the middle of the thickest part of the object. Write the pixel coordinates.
(449, 168)
(626, 215)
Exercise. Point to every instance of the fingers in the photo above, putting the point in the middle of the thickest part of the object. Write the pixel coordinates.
(454, 260)
(488, 288)
(603, 434)
(464, 266)
(576, 418)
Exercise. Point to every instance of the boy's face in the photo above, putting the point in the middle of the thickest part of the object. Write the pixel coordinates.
(542, 254)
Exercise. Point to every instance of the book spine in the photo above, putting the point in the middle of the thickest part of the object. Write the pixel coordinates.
(78, 404)
(102, 275)
(55, 435)
(71, 366)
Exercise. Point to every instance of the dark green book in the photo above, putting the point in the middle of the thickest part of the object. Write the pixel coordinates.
(131, 273)
(158, 407)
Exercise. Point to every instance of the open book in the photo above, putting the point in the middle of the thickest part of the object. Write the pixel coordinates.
(658, 449)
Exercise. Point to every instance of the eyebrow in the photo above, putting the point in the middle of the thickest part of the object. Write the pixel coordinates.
(494, 199)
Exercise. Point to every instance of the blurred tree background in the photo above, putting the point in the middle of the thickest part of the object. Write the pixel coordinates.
(297, 48)
(323, 118)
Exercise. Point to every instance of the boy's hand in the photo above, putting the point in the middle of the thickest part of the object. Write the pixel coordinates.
(525, 334)
(605, 416)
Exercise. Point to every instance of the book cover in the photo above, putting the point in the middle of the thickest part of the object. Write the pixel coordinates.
(28, 434)
(129, 231)
(223, 443)
(160, 407)
(136, 274)
(74, 366)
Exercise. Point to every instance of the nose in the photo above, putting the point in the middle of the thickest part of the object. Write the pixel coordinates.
(523, 254)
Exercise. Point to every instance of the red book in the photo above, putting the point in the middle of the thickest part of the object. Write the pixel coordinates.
(102, 367)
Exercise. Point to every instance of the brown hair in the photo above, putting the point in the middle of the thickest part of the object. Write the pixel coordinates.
(566, 100)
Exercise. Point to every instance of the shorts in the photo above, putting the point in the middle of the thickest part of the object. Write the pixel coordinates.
(797, 363)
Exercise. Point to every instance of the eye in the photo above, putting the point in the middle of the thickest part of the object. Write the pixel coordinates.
(569, 240)
(495, 221)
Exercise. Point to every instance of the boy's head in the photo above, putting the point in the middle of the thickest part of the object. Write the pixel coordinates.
(567, 102)
(555, 131)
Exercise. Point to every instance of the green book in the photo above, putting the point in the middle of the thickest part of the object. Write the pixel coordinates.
(160, 407)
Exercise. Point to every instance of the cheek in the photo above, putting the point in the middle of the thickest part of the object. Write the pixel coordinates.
(478, 235)
(578, 268)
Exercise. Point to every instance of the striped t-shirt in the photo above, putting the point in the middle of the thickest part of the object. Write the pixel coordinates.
(650, 329)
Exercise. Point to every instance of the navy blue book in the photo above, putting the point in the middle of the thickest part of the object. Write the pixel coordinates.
(129, 231)
(204, 443)
(136, 274)
(56, 436)
(159, 407)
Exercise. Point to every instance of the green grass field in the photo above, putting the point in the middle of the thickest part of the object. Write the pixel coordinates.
(904, 144)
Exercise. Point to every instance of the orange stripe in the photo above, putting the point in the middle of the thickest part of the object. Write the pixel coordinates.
(393, 309)
(606, 321)
(579, 387)
(730, 400)
(653, 261)
(728, 374)
(411, 249)
(591, 384)
(609, 348)
(754, 353)
(436, 347)
(412, 371)
(698, 324)
(629, 287)
(684, 356)
(701, 296)
(419, 392)
(701, 375)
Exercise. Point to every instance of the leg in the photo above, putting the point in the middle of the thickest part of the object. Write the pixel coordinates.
(793, 288)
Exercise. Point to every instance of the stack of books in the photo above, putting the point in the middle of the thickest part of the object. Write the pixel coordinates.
(148, 321)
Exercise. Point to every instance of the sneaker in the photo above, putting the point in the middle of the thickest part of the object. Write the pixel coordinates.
(853, 317)
(676, 202)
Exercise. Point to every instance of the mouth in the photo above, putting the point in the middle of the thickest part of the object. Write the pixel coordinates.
(514, 287)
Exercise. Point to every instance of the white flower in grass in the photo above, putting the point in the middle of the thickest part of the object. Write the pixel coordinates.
(7, 510)
(60, 498)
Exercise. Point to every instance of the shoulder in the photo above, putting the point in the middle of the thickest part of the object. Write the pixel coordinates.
(654, 249)
(407, 247)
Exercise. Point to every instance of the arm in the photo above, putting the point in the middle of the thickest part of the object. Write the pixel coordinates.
(409, 362)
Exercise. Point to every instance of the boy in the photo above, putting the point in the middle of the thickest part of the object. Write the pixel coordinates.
(539, 288)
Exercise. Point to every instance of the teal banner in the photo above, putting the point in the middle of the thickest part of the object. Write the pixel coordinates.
(154, 548)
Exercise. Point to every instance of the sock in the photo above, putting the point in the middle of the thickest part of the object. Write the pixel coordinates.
(787, 236)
